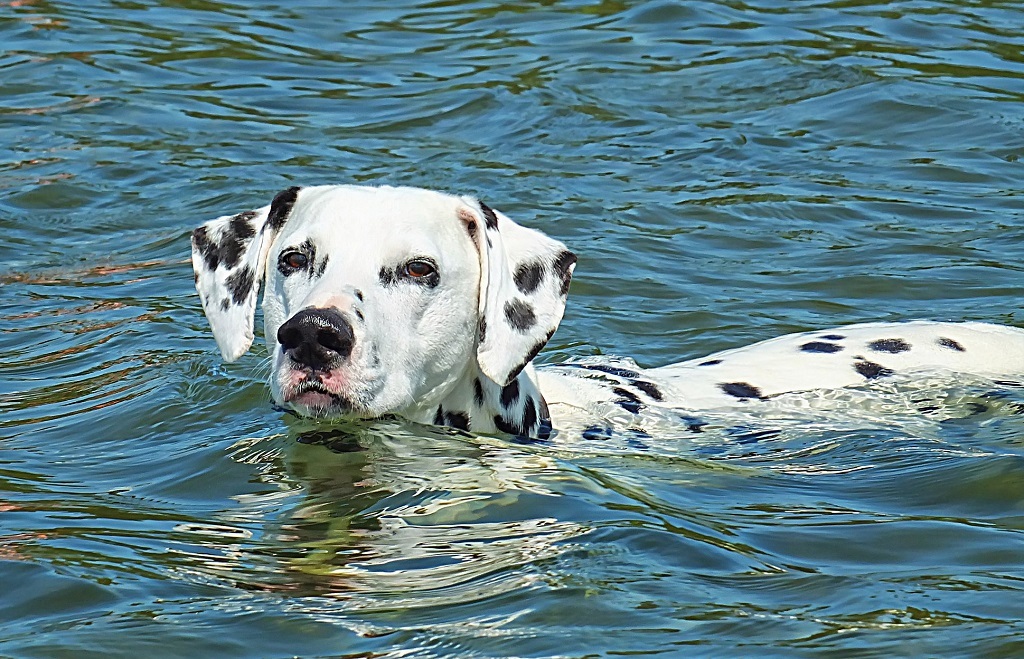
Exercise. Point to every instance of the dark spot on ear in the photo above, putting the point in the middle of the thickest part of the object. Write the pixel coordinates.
(323, 266)
(510, 394)
(387, 277)
(892, 346)
(207, 249)
(613, 370)
(520, 315)
(741, 390)
(529, 356)
(529, 415)
(359, 295)
(482, 330)
(820, 346)
(490, 219)
(240, 284)
(951, 344)
(710, 362)
(648, 388)
(236, 238)
(478, 392)
(528, 276)
(225, 304)
(561, 265)
(627, 400)
(832, 337)
(281, 207)
(871, 370)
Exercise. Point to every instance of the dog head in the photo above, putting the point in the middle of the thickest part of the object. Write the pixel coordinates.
(379, 300)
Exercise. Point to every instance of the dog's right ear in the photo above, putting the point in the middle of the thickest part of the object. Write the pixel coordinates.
(229, 256)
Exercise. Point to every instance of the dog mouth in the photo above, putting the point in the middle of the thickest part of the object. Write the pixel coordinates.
(311, 397)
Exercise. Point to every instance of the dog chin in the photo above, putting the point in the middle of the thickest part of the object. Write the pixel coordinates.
(314, 399)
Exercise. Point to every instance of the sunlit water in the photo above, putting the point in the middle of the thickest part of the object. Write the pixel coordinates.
(727, 172)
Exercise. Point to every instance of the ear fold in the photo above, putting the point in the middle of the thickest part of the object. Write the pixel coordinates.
(524, 280)
(229, 256)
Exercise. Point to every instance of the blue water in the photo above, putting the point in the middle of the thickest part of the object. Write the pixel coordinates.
(726, 171)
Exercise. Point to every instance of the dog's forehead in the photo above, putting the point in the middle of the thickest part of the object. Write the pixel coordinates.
(358, 214)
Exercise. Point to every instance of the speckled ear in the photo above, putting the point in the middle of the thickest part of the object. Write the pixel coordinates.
(229, 256)
(524, 281)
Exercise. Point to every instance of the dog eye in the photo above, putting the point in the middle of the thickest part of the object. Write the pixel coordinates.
(294, 260)
(417, 269)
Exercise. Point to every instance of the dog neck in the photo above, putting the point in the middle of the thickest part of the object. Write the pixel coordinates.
(478, 404)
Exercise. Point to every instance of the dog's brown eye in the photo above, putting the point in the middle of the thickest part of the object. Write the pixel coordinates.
(295, 260)
(419, 269)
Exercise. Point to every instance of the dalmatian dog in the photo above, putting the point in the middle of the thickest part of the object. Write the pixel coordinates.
(394, 301)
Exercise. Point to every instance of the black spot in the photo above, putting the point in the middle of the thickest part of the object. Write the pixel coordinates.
(951, 344)
(490, 219)
(387, 277)
(710, 362)
(240, 284)
(820, 346)
(597, 432)
(628, 400)
(322, 267)
(309, 249)
(207, 249)
(439, 416)
(832, 337)
(613, 370)
(528, 276)
(482, 330)
(506, 426)
(236, 238)
(561, 266)
(478, 392)
(871, 370)
(458, 420)
(544, 428)
(648, 388)
(520, 315)
(281, 207)
(892, 346)
(529, 416)
(510, 394)
(471, 228)
(225, 304)
(741, 390)
(359, 295)
(529, 356)
(693, 424)
(359, 315)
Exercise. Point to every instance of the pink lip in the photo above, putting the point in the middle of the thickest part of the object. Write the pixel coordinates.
(313, 399)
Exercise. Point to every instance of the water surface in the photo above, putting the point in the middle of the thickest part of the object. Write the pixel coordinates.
(727, 171)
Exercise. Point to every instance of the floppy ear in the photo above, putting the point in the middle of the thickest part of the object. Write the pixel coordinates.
(229, 256)
(524, 280)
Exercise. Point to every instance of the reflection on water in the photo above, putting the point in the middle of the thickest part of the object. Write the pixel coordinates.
(727, 172)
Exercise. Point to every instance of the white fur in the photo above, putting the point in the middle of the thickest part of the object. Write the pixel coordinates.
(419, 351)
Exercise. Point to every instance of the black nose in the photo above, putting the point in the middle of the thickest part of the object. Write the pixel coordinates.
(317, 338)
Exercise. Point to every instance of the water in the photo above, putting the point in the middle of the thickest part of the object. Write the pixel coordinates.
(727, 172)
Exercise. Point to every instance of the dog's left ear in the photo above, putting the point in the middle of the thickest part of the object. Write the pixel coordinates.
(524, 280)
(229, 256)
